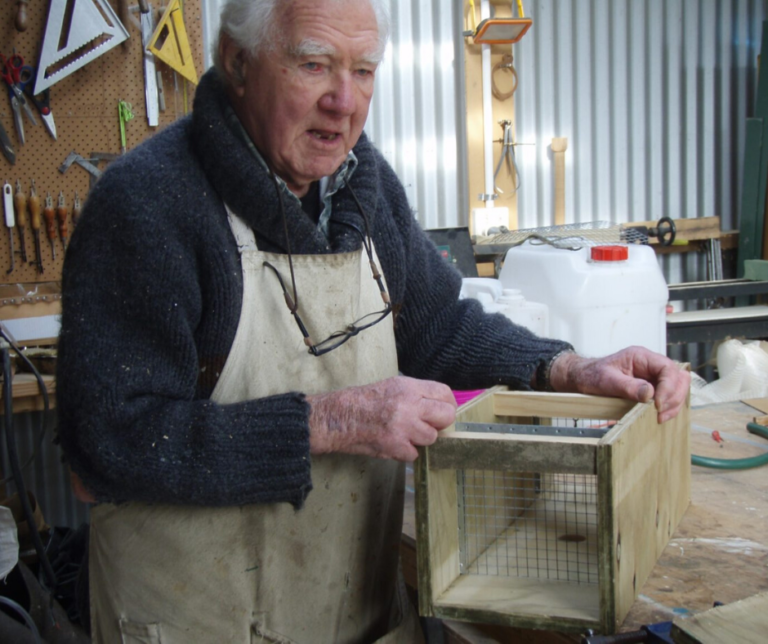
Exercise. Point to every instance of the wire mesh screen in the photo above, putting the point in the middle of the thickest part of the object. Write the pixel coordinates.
(595, 233)
(541, 526)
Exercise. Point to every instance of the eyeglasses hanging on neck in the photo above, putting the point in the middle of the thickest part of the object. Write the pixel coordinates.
(291, 297)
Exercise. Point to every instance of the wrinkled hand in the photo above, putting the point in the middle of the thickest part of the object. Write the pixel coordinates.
(386, 419)
(634, 373)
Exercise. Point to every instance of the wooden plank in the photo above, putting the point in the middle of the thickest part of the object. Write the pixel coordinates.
(463, 633)
(533, 404)
(745, 622)
(26, 393)
(513, 452)
(437, 518)
(526, 603)
(646, 467)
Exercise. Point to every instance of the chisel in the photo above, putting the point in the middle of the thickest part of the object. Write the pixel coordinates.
(61, 215)
(20, 203)
(50, 223)
(34, 216)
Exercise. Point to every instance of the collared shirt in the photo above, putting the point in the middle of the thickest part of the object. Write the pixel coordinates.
(329, 186)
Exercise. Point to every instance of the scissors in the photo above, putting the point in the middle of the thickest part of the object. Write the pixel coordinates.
(27, 76)
(11, 70)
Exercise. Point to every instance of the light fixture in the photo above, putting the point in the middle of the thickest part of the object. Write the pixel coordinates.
(501, 31)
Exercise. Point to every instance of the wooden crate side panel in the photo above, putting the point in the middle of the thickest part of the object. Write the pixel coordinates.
(606, 544)
(518, 452)
(523, 603)
(650, 485)
(437, 531)
(533, 404)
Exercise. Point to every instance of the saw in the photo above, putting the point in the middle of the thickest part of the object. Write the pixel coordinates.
(76, 32)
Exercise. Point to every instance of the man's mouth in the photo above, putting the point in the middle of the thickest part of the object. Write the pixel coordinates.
(324, 136)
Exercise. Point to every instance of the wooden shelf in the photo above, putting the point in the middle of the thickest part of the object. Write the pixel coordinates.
(27, 396)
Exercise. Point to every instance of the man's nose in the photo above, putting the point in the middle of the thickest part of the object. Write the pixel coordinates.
(341, 96)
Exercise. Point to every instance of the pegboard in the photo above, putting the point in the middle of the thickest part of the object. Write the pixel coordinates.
(85, 109)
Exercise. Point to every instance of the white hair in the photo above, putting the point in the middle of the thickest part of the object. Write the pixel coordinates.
(251, 24)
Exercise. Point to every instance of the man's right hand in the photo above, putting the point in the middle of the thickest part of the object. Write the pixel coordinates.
(386, 419)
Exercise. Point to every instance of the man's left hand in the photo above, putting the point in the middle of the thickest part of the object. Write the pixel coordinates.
(634, 373)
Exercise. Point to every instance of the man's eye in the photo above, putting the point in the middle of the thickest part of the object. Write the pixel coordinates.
(312, 67)
(364, 73)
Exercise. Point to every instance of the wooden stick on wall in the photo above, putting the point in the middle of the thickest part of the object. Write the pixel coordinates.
(559, 146)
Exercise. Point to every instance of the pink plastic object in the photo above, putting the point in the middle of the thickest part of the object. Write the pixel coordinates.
(465, 396)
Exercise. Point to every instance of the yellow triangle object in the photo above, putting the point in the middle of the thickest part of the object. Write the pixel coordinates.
(170, 43)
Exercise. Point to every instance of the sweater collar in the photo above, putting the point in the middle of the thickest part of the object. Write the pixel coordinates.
(244, 185)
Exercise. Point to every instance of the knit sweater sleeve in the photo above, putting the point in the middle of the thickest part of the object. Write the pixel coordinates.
(151, 299)
(440, 337)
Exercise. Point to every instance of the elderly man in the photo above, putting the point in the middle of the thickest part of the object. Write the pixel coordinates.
(240, 295)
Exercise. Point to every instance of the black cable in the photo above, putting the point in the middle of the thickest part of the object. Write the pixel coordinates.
(24, 615)
(13, 458)
(43, 391)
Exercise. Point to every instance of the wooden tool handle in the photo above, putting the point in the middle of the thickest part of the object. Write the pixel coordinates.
(20, 204)
(50, 218)
(21, 15)
(34, 211)
(61, 215)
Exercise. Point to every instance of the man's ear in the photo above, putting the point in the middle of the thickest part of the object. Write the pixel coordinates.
(233, 61)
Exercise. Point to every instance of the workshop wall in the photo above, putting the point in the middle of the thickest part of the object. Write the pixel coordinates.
(85, 109)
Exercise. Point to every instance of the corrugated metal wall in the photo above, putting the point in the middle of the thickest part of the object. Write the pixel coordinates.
(653, 97)
(417, 118)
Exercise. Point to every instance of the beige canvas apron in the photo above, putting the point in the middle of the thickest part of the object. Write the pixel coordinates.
(269, 573)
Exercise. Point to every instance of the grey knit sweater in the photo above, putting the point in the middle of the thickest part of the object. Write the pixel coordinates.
(152, 297)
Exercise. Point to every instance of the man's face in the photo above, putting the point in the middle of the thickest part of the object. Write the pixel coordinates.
(304, 103)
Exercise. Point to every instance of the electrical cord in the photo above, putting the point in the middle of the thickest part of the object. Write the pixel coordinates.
(13, 458)
(505, 64)
(24, 615)
(43, 390)
(736, 463)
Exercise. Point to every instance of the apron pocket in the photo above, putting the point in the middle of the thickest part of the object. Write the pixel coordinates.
(135, 633)
(260, 634)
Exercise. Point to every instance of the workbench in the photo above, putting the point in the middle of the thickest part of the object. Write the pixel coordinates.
(719, 552)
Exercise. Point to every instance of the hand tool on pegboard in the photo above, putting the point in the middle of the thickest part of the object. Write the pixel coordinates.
(20, 205)
(74, 157)
(49, 214)
(76, 209)
(150, 73)
(6, 147)
(43, 103)
(11, 72)
(20, 21)
(124, 114)
(10, 219)
(89, 28)
(34, 215)
(61, 216)
(170, 43)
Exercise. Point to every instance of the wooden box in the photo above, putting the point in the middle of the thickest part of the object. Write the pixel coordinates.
(547, 510)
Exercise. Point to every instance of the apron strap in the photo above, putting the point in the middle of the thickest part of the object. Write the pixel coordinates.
(244, 235)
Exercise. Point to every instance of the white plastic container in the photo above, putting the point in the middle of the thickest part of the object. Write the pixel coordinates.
(599, 305)
(510, 302)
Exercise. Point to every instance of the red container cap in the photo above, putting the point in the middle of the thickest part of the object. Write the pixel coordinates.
(610, 253)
